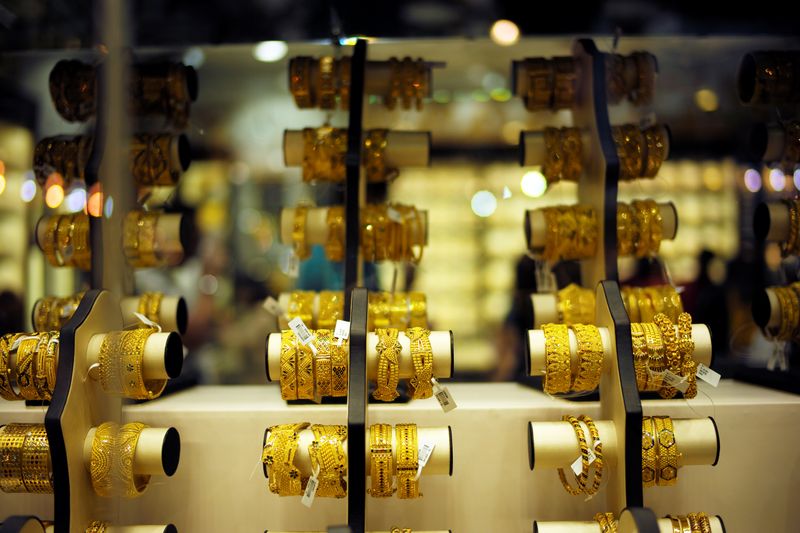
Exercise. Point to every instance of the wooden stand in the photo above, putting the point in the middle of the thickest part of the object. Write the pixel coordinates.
(403, 148)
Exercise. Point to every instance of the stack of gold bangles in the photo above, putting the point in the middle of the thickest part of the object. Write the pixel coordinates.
(52, 312)
(690, 523)
(558, 377)
(640, 228)
(639, 90)
(658, 348)
(306, 375)
(28, 363)
(97, 526)
(389, 352)
(587, 466)
(68, 156)
(791, 246)
(789, 304)
(327, 458)
(111, 462)
(121, 361)
(399, 310)
(25, 459)
(324, 151)
(406, 461)
(66, 241)
(140, 243)
(152, 160)
(576, 305)
(149, 306)
(659, 452)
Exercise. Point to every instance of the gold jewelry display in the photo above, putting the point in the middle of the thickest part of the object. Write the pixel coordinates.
(407, 461)
(649, 452)
(322, 363)
(288, 379)
(152, 162)
(420, 386)
(51, 313)
(667, 451)
(407, 83)
(558, 371)
(301, 249)
(571, 233)
(334, 244)
(121, 360)
(584, 449)
(389, 350)
(28, 363)
(564, 159)
(104, 448)
(590, 357)
(324, 151)
(656, 362)
(575, 305)
(380, 461)
(639, 90)
(132, 485)
(25, 459)
(140, 243)
(791, 245)
(278, 454)
(327, 455)
(149, 305)
(374, 158)
(607, 522)
(339, 368)
(305, 371)
(66, 241)
(640, 356)
(331, 309)
(97, 527)
(658, 299)
(68, 156)
(673, 354)
(598, 464)
(301, 305)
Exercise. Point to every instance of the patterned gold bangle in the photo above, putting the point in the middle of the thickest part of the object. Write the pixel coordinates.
(44, 368)
(655, 140)
(418, 310)
(379, 310)
(606, 522)
(41, 315)
(149, 305)
(540, 76)
(326, 84)
(374, 157)
(50, 241)
(558, 366)
(37, 472)
(624, 230)
(132, 484)
(301, 305)
(598, 463)
(584, 450)
(389, 350)
(12, 440)
(700, 522)
(339, 366)
(399, 310)
(7, 391)
(420, 386)
(327, 455)
(640, 357)
(649, 450)
(656, 361)
(380, 461)
(334, 245)
(629, 142)
(407, 461)
(25, 371)
(641, 218)
(300, 81)
(301, 249)
(64, 247)
(305, 371)
(109, 361)
(324, 152)
(97, 527)
(667, 455)
(590, 357)
(104, 448)
(279, 451)
(322, 363)
(673, 354)
(686, 347)
(134, 385)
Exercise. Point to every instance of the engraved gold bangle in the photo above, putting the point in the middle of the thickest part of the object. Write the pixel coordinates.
(149, 305)
(598, 464)
(327, 455)
(575, 305)
(301, 305)
(7, 391)
(12, 439)
(121, 360)
(331, 309)
(27, 354)
(374, 157)
(590, 357)
(25, 453)
(380, 461)
(322, 362)
(132, 484)
(278, 454)
(389, 350)
(667, 455)
(558, 369)
(334, 245)
(301, 248)
(305, 371)
(673, 355)
(686, 347)
(606, 522)
(649, 451)
(656, 361)
(420, 386)
(584, 450)
(324, 151)
(101, 467)
(339, 366)
(407, 461)
(640, 356)
(97, 527)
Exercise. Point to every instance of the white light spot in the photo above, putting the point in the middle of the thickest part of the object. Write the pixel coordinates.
(504, 32)
(484, 204)
(270, 51)
(533, 184)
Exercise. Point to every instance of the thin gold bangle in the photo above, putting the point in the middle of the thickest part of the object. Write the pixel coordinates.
(420, 386)
(322, 362)
(101, 468)
(380, 461)
(584, 450)
(288, 378)
(590, 357)
(598, 463)
(649, 451)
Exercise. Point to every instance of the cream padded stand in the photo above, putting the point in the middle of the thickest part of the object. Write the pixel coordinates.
(157, 451)
(779, 222)
(377, 78)
(134, 529)
(403, 148)
(441, 346)
(172, 312)
(664, 526)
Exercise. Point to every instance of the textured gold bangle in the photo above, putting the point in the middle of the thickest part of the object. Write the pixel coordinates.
(326, 84)
(389, 350)
(598, 463)
(334, 245)
(301, 248)
(584, 450)
(673, 354)
(149, 305)
(44, 372)
(590, 357)
(374, 156)
(418, 310)
(82, 251)
(667, 455)
(407, 461)
(649, 450)
(629, 143)
(322, 362)
(540, 75)
(7, 391)
(101, 467)
(97, 527)
(380, 461)
(327, 455)
(324, 152)
(624, 230)
(27, 353)
(339, 366)
(121, 360)
(300, 81)
(301, 305)
(305, 371)
(331, 309)
(700, 522)
(640, 357)
(558, 367)
(606, 522)
(132, 484)
(686, 347)
(279, 452)
(146, 254)
(12, 440)
(49, 242)
(288, 379)
(37, 471)
(656, 149)
(420, 386)
(656, 361)
(379, 310)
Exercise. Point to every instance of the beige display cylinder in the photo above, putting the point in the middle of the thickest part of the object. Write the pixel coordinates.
(167, 312)
(156, 360)
(664, 526)
(438, 463)
(168, 237)
(441, 346)
(377, 78)
(317, 225)
(779, 222)
(533, 148)
(536, 348)
(403, 148)
(148, 459)
(141, 529)
(538, 226)
(545, 308)
(775, 314)
(554, 444)
(415, 531)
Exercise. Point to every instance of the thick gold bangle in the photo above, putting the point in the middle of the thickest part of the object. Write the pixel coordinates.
(339, 366)
(104, 448)
(149, 305)
(45, 365)
(288, 379)
(389, 351)
(305, 371)
(121, 360)
(12, 440)
(327, 455)
(64, 246)
(132, 484)
(407, 461)
(326, 84)
(564, 159)
(380, 461)
(540, 74)
(624, 230)
(374, 157)
(82, 252)
(649, 451)
(686, 347)
(300, 81)
(324, 152)
(558, 369)
(37, 472)
(673, 354)
(606, 522)
(97, 527)
(322, 362)
(645, 75)
(640, 357)
(590, 357)
(334, 245)
(417, 310)
(584, 448)
(667, 455)
(656, 148)
(331, 309)
(420, 386)
(278, 454)
(598, 463)
(700, 522)
(656, 361)
(147, 250)
(301, 305)
(629, 142)
(25, 371)
(565, 81)
(301, 249)
(7, 391)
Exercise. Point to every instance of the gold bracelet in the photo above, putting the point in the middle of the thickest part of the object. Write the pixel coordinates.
(629, 142)
(407, 461)
(606, 522)
(147, 248)
(667, 455)
(587, 234)
(656, 142)
(324, 151)
(326, 84)
(7, 391)
(379, 310)
(27, 353)
(590, 357)
(64, 246)
(640, 357)
(686, 347)
(584, 448)
(121, 360)
(322, 363)
(624, 230)
(305, 371)
(47, 365)
(300, 81)
(334, 245)
(700, 522)
(540, 75)
(389, 351)
(368, 219)
(37, 471)
(417, 310)
(649, 451)
(642, 244)
(374, 157)
(656, 363)
(301, 249)
(380, 461)
(327, 455)
(645, 75)
(285, 478)
(82, 249)
(565, 80)
(399, 311)
(301, 305)
(339, 366)
(420, 386)
(150, 305)
(104, 448)
(133, 484)
(790, 245)
(598, 451)
(558, 366)
(97, 527)
(12, 440)
(288, 378)
(673, 354)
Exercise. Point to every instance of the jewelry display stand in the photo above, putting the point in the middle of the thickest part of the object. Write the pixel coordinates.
(403, 148)
(21, 524)
(664, 525)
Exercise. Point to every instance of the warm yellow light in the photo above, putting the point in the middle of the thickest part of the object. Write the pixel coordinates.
(504, 32)
(707, 100)
(2, 183)
(54, 196)
(94, 206)
(533, 184)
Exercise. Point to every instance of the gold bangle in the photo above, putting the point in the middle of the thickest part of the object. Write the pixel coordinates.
(12, 440)
(590, 357)
(558, 368)
(339, 366)
(45, 365)
(326, 84)
(540, 75)
(598, 451)
(639, 344)
(104, 448)
(790, 245)
(374, 157)
(407, 461)
(151, 161)
(331, 309)
(380, 461)
(64, 246)
(624, 229)
(300, 81)
(565, 81)
(327, 455)
(324, 151)
(420, 386)
(649, 450)
(606, 522)
(564, 159)
(584, 448)
(417, 310)
(667, 455)
(301, 305)
(121, 360)
(673, 355)
(149, 305)
(686, 347)
(301, 248)
(645, 76)
(305, 371)
(655, 356)
(50, 241)
(97, 527)
(629, 142)
(334, 245)
(656, 142)
(41, 315)
(7, 391)
(82, 250)
(279, 451)
(322, 363)
(133, 484)
(701, 523)
(399, 310)
(25, 371)
(367, 233)
(389, 351)
(33, 456)
(553, 165)
(343, 79)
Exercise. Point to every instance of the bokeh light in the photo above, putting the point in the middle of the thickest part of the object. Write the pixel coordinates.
(28, 190)
(484, 203)
(533, 184)
(752, 180)
(707, 100)
(54, 196)
(777, 179)
(270, 51)
(504, 32)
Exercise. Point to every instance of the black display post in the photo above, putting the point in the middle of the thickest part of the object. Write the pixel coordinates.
(357, 413)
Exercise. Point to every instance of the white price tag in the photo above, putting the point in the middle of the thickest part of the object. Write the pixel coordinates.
(446, 401)
(676, 381)
(311, 489)
(394, 215)
(272, 306)
(300, 330)
(291, 265)
(146, 321)
(577, 465)
(425, 452)
(706, 374)
(341, 332)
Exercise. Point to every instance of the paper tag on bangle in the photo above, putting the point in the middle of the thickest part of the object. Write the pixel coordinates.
(676, 381)
(300, 330)
(424, 454)
(341, 332)
(446, 401)
(577, 465)
(146, 321)
(706, 374)
(291, 265)
(394, 215)
(311, 489)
